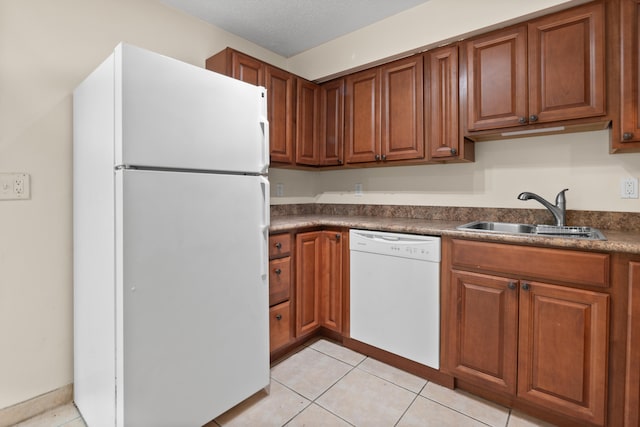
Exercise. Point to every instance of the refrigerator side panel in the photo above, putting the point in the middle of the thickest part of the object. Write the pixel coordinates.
(177, 115)
(93, 247)
(195, 295)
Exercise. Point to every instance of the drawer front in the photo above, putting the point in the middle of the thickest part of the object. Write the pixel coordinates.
(279, 325)
(279, 280)
(279, 245)
(576, 267)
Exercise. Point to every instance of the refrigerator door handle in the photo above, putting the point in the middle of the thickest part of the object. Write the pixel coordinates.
(264, 124)
(266, 221)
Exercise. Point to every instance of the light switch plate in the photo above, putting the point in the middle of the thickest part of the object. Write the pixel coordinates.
(15, 186)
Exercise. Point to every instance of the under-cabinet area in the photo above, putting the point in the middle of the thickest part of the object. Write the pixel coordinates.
(550, 330)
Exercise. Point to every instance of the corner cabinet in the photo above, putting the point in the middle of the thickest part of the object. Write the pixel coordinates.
(307, 123)
(525, 324)
(319, 281)
(383, 113)
(280, 96)
(549, 70)
(319, 123)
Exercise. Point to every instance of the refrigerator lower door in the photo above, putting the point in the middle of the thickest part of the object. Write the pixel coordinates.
(192, 295)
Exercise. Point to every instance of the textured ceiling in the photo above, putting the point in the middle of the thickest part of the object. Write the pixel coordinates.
(288, 27)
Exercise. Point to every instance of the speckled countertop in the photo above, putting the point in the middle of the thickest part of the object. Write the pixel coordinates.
(627, 241)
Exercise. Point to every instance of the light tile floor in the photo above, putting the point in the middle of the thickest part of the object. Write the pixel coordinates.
(327, 385)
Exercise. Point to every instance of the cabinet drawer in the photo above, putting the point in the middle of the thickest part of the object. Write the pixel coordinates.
(585, 268)
(279, 280)
(279, 325)
(279, 245)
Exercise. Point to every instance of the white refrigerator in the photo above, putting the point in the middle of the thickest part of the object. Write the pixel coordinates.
(171, 217)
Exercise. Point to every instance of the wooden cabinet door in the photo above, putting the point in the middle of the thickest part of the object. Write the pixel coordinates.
(362, 116)
(441, 101)
(280, 88)
(632, 386)
(566, 65)
(401, 107)
(630, 69)
(496, 79)
(483, 330)
(331, 283)
(332, 123)
(562, 350)
(307, 118)
(308, 280)
(247, 69)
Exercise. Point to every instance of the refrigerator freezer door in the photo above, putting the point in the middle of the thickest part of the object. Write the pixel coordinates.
(194, 338)
(171, 114)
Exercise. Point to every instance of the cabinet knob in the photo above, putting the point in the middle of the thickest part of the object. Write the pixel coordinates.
(339, 161)
(338, 236)
(278, 316)
(454, 151)
(627, 136)
(377, 157)
(522, 120)
(525, 286)
(384, 157)
(533, 118)
(278, 245)
(511, 285)
(277, 271)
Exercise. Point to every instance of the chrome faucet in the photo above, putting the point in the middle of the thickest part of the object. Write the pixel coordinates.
(558, 211)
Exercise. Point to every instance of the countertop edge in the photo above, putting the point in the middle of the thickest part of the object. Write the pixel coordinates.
(617, 241)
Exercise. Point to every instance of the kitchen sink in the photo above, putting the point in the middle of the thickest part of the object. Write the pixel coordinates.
(537, 230)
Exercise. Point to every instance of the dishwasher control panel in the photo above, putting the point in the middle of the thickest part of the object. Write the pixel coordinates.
(412, 246)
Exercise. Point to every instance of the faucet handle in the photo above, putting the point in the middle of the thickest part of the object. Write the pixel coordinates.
(560, 198)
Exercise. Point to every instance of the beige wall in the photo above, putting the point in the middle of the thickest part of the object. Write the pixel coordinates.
(503, 169)
(46, 49)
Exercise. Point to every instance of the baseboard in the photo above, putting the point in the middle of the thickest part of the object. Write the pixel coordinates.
(30, 408)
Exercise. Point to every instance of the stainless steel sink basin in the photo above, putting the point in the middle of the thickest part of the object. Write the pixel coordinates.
(538, 230)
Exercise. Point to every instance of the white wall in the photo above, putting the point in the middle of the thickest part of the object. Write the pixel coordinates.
(46, 48)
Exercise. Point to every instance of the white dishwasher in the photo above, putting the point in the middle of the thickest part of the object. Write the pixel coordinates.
(395, 293)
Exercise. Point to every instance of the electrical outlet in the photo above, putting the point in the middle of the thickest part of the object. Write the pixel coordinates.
(358, 189)
(629, 188)
(14, 186)
(279, 190)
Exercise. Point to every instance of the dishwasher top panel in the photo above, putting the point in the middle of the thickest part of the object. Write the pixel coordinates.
(426, 248)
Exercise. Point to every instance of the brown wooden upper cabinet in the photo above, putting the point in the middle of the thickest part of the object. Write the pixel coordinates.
(383, 112)
(319, 123)
(332, 123)
(626, 135)
(280, 96)
(443, 139)
(307, 122)
(550, 69)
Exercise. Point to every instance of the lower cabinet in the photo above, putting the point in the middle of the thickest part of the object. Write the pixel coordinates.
(632, 381)
(279, 325)
(319, 283)
(530, 340)
(280, 291)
